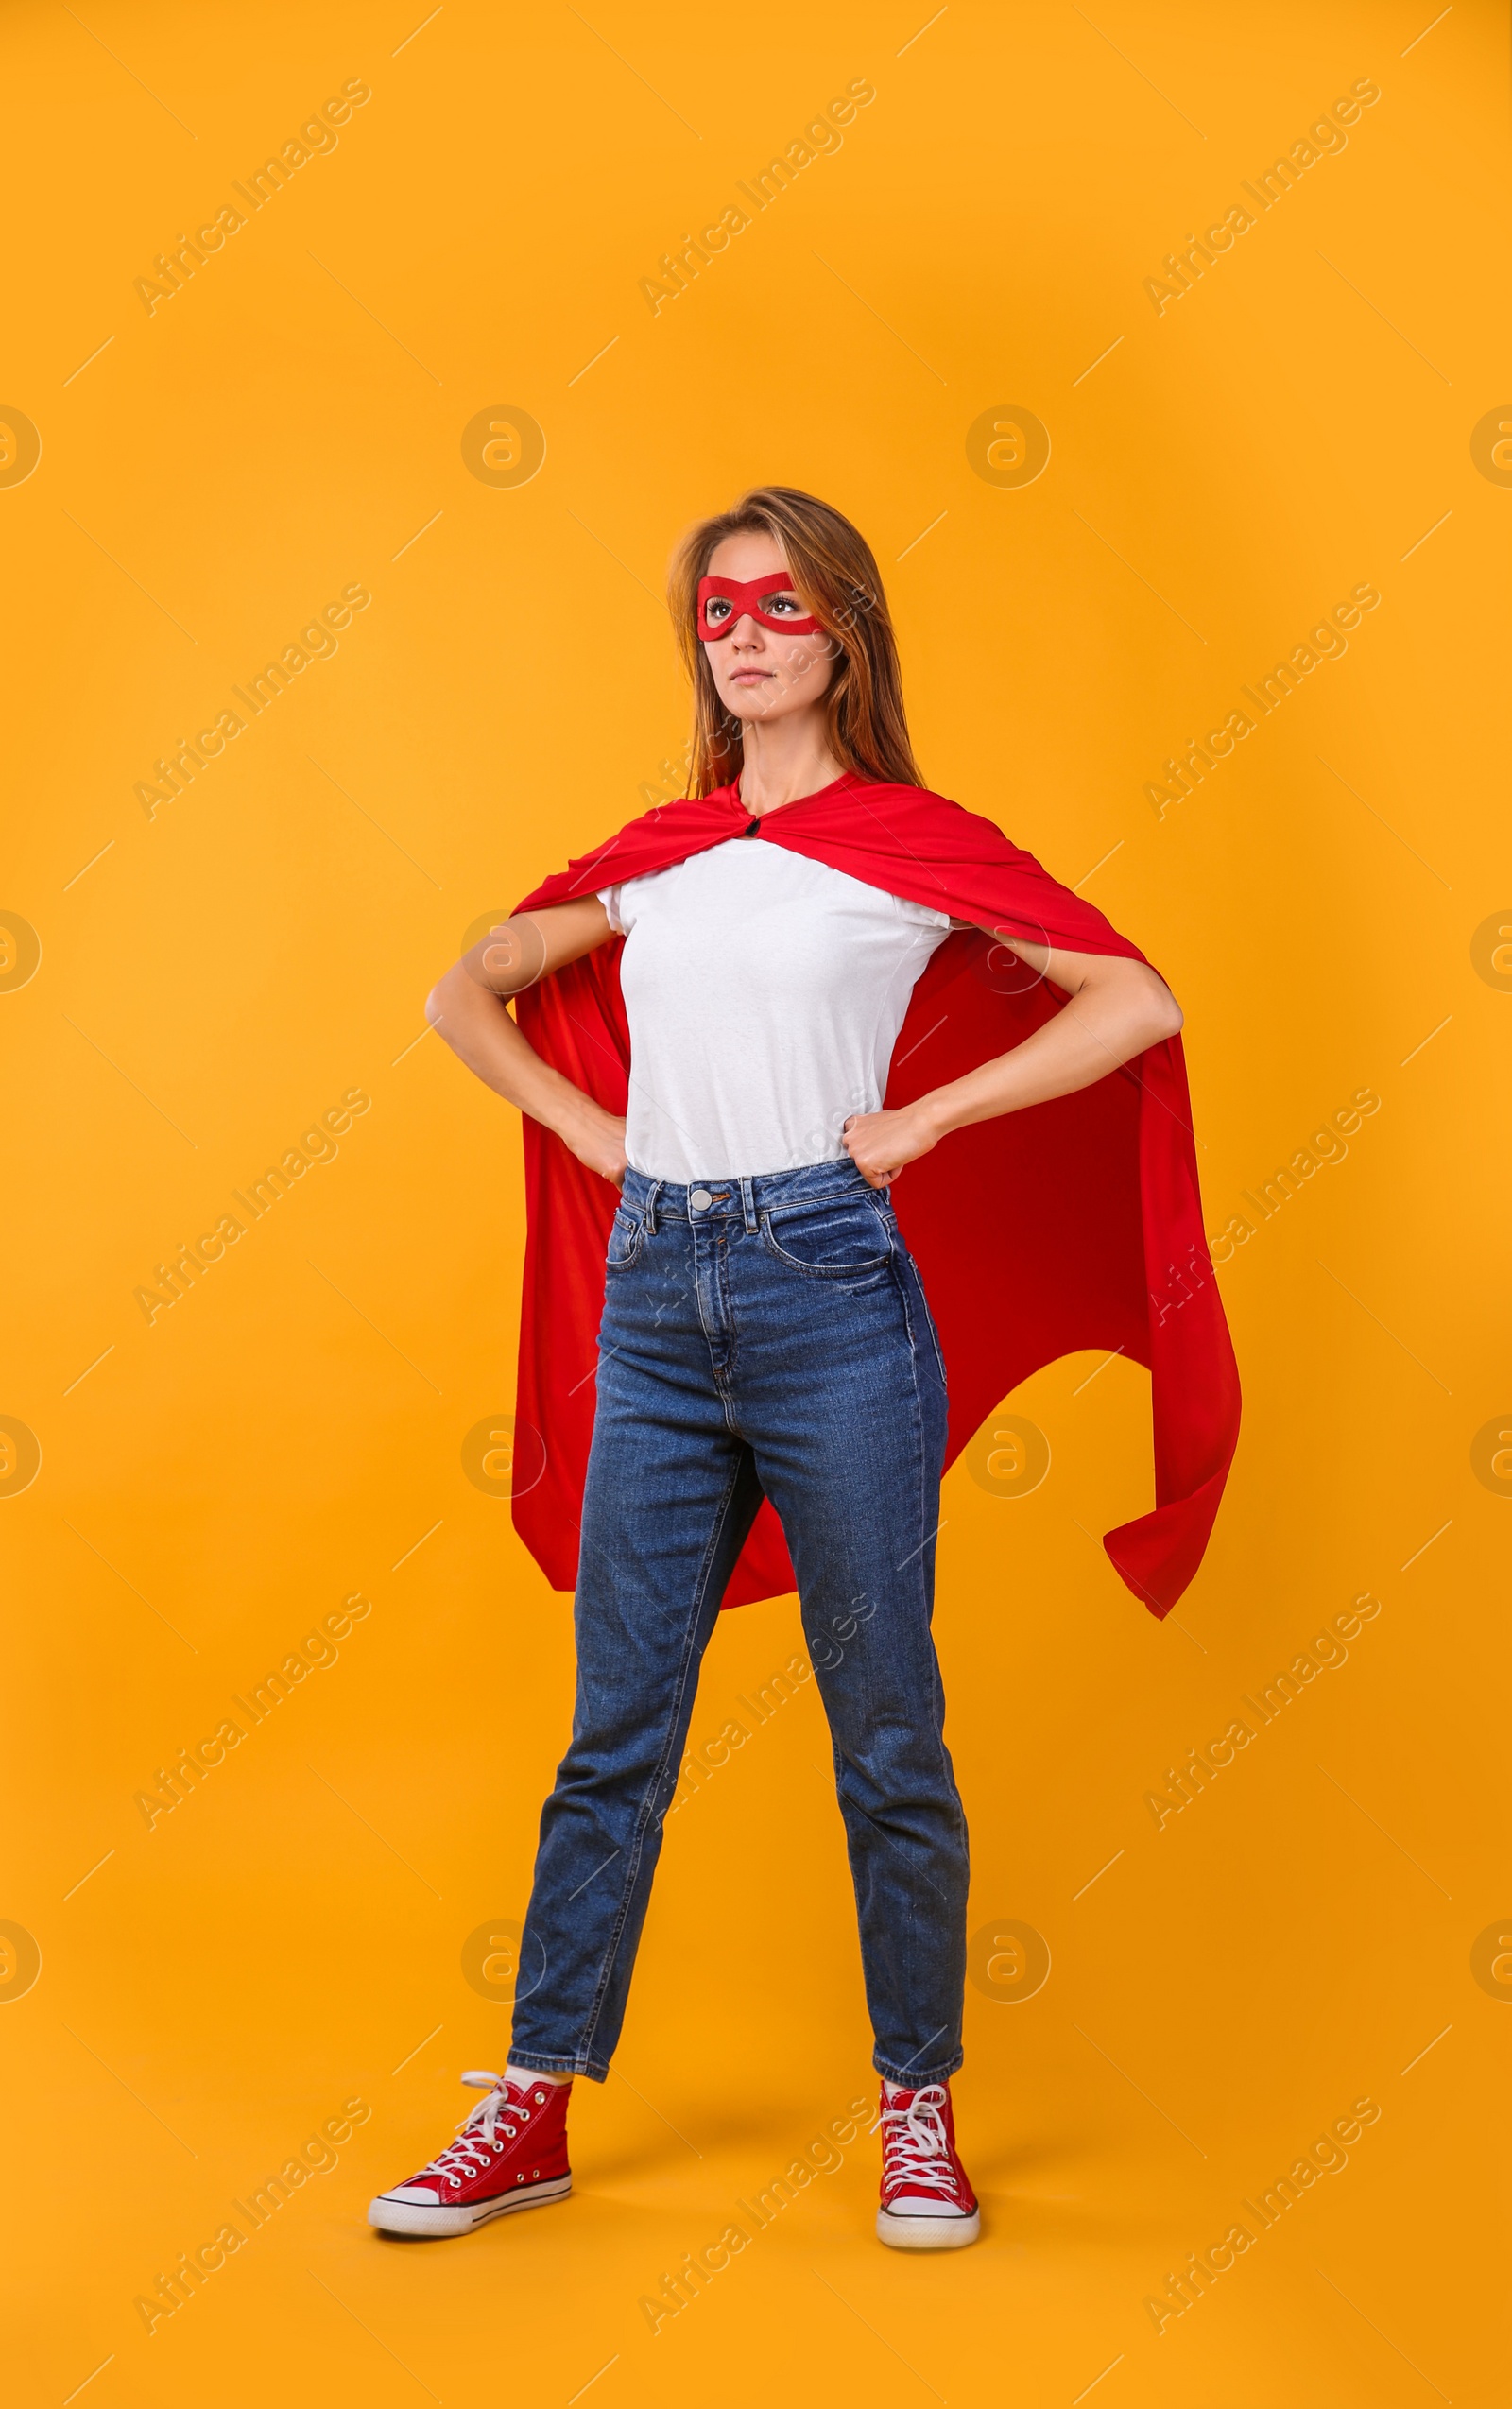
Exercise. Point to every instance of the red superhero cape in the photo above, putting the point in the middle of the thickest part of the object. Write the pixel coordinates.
(1071, 1224)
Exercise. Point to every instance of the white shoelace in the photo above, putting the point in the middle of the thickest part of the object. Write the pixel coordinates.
(469, 2153)
(914, 2145)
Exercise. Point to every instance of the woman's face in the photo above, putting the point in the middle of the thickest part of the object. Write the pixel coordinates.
(758, 674)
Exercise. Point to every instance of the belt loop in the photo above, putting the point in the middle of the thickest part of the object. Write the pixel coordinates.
(652, 1194)
(747, 1204)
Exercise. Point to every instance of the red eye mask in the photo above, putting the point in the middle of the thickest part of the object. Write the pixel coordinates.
(744, 598)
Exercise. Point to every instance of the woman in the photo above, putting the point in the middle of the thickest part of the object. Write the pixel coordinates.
(765, 1334)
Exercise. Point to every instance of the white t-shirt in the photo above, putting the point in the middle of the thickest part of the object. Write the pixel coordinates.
(765, 994)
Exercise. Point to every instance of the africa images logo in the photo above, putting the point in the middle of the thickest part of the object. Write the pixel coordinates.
(821, 136)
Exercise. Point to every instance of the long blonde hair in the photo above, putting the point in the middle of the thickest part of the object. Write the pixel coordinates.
(834, 574)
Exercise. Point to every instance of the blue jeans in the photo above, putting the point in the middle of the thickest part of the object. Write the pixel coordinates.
(769, 1336)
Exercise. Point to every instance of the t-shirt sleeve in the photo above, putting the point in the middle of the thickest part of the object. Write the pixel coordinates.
(925, 917)
(609, 898)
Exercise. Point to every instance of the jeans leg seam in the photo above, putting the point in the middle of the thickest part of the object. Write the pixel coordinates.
(946, 1774)
(918, 1408)
(933, 1334)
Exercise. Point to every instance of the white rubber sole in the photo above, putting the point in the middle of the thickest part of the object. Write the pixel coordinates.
(927, 2233)
(407, 2216)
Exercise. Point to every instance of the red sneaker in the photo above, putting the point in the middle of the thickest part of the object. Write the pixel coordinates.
(510, 2153)
(927, 2201)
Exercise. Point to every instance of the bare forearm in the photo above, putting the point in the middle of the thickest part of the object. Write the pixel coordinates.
(483, 1033)
(1093, 1033)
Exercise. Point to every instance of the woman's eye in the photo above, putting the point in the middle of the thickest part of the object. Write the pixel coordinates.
(781, 605)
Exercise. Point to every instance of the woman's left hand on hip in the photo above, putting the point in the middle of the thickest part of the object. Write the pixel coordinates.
(879, 1143)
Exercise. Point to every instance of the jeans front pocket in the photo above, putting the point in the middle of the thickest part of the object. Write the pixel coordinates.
(624, 1238)
(845, 1240)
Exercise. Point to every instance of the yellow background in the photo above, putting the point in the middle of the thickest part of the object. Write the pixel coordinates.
(290, 1432)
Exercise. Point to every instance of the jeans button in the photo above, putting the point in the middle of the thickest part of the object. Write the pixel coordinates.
(700, 1199)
